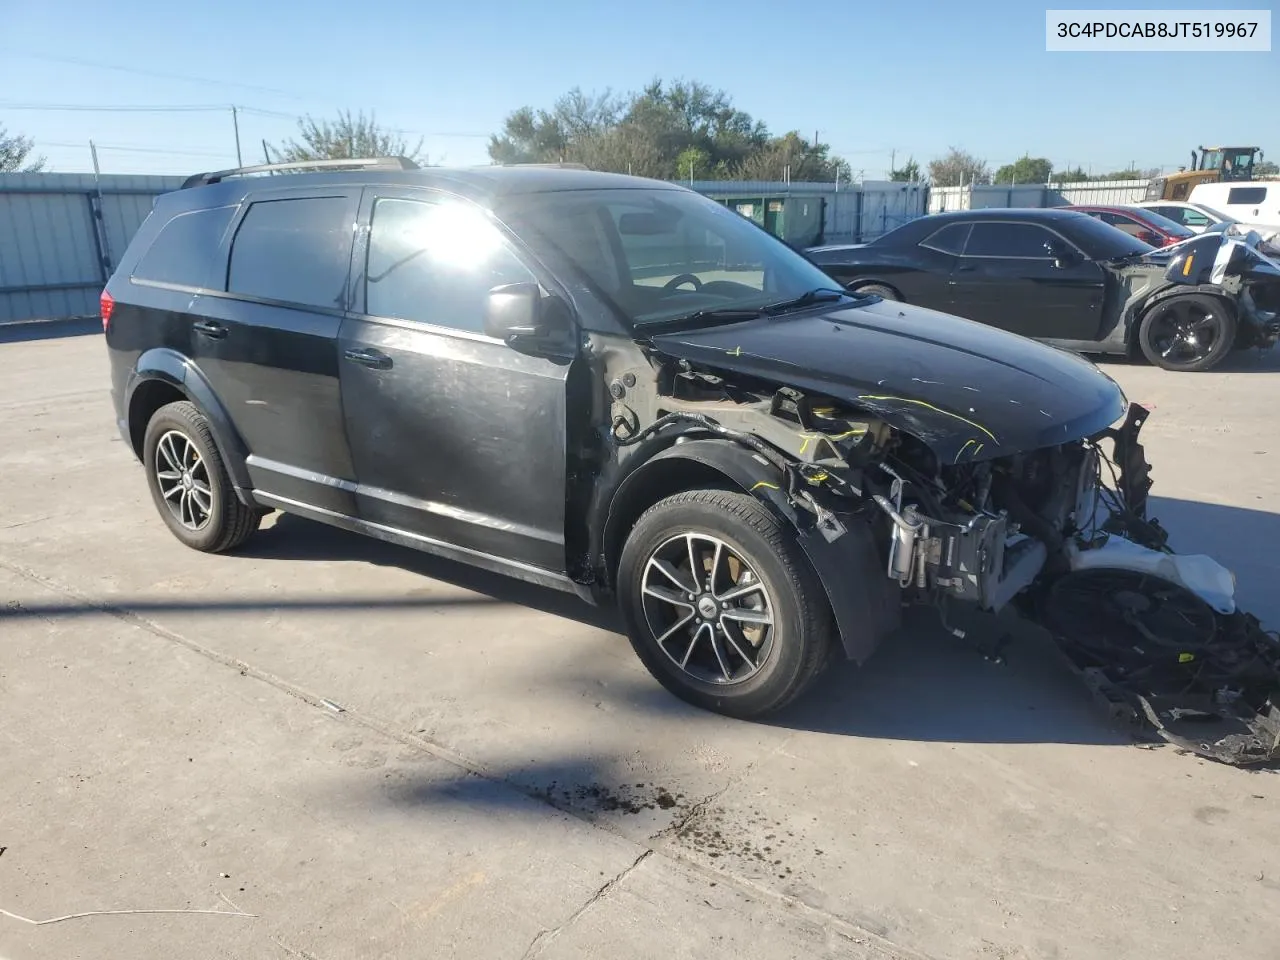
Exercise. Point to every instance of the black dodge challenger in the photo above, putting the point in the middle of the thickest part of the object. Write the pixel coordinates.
(1073, 281)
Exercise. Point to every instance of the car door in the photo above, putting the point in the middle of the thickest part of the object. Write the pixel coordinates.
(458, 439)
(266, 339)
(936, 256)
(1026, 278)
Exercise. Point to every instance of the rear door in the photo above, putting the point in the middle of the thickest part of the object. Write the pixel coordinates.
(1029, 279)
(266, 339)
(457, 438)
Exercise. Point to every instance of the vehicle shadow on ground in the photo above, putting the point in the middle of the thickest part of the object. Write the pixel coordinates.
(50, 329)
(293, 538)
(922, 684)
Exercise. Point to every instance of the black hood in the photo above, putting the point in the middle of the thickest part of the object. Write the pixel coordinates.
(969, 391)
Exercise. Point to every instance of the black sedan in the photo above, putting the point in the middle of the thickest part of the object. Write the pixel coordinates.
(1062, 277)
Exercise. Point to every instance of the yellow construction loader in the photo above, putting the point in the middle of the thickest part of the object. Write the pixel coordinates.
(1210, 166)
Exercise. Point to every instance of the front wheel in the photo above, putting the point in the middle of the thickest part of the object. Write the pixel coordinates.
(721, 605)
(878, 290)
(1188, 333)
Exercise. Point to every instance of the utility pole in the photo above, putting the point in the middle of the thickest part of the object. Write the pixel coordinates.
(235, 122)
(893, 162)
(266, 154)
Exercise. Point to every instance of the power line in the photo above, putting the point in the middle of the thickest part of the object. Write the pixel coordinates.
(136, 149)
(102, 108)
(186, 78)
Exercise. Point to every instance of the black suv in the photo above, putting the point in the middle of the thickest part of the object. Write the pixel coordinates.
(598, 383)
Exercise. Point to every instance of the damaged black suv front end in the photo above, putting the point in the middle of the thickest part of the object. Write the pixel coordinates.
(913, 456)
(1033, 490)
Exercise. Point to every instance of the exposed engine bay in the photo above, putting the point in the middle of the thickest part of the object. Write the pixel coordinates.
(1061, 534)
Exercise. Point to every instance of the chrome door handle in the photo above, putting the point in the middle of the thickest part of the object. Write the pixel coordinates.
(369, 358)
(210, 328)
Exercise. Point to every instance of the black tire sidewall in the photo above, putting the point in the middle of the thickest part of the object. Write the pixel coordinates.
(786, 662)
(184, 418)
(1224, 316)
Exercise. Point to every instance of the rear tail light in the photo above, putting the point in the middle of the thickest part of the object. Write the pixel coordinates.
(106, 303)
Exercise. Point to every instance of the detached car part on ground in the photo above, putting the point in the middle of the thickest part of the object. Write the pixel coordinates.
(675, 412)
(1065, 278)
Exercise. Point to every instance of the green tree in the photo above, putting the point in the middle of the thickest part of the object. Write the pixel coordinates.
(15, 154)
(694, 162)
(1266, 168)
(345, 138)
(957, 167)
(1026, 169)
(1076, 175)
(1132, 173)
(909, 172)
(658, 132)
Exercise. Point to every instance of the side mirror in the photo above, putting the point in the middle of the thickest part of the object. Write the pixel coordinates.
(514, 310)
(1062, 259)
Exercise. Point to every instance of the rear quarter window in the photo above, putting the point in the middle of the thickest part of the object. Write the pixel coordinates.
(185, 250)
(294, 251)
(950, 239)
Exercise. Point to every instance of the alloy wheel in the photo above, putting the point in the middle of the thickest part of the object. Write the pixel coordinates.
(707, 609)
(183, 477)
(1184, 333)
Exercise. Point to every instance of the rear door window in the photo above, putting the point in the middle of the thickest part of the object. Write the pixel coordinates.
(1024, 241)
(294, 251)
(185, 250)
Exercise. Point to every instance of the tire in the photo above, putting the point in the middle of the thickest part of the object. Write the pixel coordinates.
(879, 290)
(740, 671)
(201, 491)
(1173, 333)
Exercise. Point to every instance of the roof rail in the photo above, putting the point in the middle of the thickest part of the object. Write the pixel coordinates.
(560, 166)
(370, 163)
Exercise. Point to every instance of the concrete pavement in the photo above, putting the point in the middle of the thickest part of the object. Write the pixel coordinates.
(377, 754)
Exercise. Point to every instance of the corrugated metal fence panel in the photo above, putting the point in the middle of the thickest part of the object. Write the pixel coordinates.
(945, 199)
(887, 204)
(1102, 191)
(48, 257)
(51, 250)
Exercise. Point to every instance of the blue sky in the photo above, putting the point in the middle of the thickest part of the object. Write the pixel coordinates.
(872, 79)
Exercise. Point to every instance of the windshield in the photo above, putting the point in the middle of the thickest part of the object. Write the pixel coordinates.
(658, 255)
(1104, 242)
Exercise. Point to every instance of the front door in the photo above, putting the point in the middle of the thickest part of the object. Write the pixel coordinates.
(1028, 279)
(457, 438)
(266, 335)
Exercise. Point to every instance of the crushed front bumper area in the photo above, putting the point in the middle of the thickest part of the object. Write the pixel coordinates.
(1156, 635)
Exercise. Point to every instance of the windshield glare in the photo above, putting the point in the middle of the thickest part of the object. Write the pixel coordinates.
(658, 255)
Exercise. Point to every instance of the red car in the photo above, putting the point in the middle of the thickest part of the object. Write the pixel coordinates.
(1147, 225)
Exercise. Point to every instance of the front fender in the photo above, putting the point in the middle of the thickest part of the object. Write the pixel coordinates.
(168, 366)
(863, 599)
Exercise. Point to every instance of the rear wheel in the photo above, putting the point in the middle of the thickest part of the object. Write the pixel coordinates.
(720, 604)
(879, 290)
(1187, 333)
(189, 483)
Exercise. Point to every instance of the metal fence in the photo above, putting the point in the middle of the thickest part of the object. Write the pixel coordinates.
(943, 199)
(61, 235)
